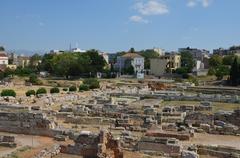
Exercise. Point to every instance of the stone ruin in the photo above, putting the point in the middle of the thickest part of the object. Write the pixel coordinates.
(7, 141)
(27, 123)
(91, 145)
(159, 145)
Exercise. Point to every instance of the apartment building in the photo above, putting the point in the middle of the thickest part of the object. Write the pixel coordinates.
(159, 66)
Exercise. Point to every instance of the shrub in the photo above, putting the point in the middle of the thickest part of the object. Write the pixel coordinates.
(8, 92)
(30, 92)
(41, 91)
(92, 83)
(83, 87)
(181, 70)
(54, 90)
(65, 89)
(72, 88)
(34, 79)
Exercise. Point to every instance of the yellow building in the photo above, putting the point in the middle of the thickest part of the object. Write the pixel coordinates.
(163, 64)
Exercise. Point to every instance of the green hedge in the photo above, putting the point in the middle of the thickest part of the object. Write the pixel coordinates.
(8, 92)
(54, 90)
(92, 83)
(72, 89)
(83, 87)
(30, 92)
(41, 91)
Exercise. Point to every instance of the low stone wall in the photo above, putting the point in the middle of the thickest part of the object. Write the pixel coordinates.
(27, 123)
(218, 151)
(151, 144)
(90, 120)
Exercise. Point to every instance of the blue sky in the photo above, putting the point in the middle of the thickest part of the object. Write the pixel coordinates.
(115, 25)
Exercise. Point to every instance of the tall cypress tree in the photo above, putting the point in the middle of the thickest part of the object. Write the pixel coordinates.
(234, 73)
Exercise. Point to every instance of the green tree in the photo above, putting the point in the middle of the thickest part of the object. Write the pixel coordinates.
(148, 54)
(132, 50)
(187, 61)
(34, 60)
(8, 93)
(47, 62)
(215, 60)
(221, 71)
(34, 79)
(228, 59)
(234, 73)
(2, 48)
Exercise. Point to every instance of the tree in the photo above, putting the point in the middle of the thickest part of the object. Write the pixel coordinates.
(187, 61)
(132, 50)
(148, 54)
(215, 60)
(34, 60)
(221, 71)
(228, 59)
(8, 93)
(30, 92)
(54, 90)
(2, 48)
(234, 73)
(34, 79)
(41, 91)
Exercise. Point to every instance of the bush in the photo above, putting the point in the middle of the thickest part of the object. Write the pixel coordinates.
(41, 91)
(83, 87)
(54, 90)
(72, 89)
(8, 92)
(30, 92)
(181, 70)
(34, 79)
(65, 89)
(92, 83)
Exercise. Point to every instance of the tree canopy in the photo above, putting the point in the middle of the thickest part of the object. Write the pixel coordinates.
(2, 48)
(73, 64)
(187, 61)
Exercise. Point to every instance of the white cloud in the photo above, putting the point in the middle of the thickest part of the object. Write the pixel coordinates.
(138, 19)
(204, 3)
(152, 7)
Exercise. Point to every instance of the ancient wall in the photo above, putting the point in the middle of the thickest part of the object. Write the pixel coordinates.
(89, 120)
(27, 123)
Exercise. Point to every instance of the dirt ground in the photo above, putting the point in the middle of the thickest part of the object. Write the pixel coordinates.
(209, 139)
(36, 144)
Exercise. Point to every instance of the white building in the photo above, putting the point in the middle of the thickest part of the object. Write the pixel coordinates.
(160, 51)
(78, 50)
(105, 56)
(3, 58)
(130, 59)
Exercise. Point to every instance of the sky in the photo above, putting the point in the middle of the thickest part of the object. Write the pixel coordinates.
(118, 25)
